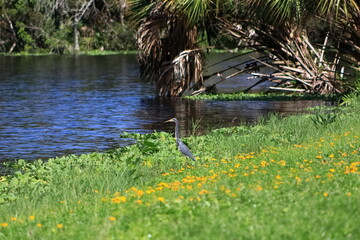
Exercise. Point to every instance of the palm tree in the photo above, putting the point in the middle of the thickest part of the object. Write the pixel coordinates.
(169, 36)
(343, 17)
(286, 31)
(169, 33)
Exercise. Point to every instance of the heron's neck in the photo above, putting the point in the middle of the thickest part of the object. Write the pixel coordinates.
(177, 136)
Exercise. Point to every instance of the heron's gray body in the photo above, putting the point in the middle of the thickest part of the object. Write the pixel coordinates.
(181, 146)
(185, 150)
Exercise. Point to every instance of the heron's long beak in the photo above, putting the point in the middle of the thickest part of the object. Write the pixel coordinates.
(170, 120)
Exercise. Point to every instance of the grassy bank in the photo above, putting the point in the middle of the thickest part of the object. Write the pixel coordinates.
(285, 178)
(261, 97)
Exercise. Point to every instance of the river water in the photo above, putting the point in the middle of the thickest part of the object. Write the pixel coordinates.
(56, 105)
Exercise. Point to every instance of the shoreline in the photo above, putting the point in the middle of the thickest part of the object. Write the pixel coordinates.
(290, 167)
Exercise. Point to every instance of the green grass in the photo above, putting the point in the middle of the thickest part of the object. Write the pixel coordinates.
(261, 97)
(285, 178)
(90, 52)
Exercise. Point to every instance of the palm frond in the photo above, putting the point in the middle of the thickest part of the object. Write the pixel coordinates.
(162, 38)
(327, 7)
(277, 11)
(139, 10)
(195, 10)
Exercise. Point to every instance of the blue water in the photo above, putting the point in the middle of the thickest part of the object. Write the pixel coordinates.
(57, 105)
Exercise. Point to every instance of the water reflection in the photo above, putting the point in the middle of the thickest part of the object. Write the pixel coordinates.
(206, 115)
(56, 105)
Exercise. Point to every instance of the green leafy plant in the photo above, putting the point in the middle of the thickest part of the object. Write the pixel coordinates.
(324, 118)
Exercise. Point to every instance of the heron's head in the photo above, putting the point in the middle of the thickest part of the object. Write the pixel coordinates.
(171, 120)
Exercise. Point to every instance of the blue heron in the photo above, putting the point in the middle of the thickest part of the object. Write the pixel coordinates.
(181, 146)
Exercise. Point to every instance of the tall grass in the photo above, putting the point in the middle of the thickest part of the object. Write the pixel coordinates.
(285, 178)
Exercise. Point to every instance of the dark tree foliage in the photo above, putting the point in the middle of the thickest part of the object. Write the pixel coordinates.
(60, 26)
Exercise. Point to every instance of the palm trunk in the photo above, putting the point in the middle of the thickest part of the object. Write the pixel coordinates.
(168, 53)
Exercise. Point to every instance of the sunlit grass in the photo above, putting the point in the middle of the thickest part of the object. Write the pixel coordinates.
(282, 179)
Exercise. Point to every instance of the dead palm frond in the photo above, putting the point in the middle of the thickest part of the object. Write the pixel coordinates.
(183, 72)
(162, 38)
(294, 60)
(343, 17)
(280, 29)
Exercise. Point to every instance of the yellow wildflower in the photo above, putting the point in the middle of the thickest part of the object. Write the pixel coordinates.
(118, 199)
(352, 168)
(264, 163)
(203, 192)
(31, 217)
(111, 218)
(329, 175)
(282, 162)
(59, 225)
(150, 191)
(325, 194)
(4, 224)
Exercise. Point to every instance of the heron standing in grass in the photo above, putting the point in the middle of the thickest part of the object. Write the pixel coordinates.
(181, 146)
